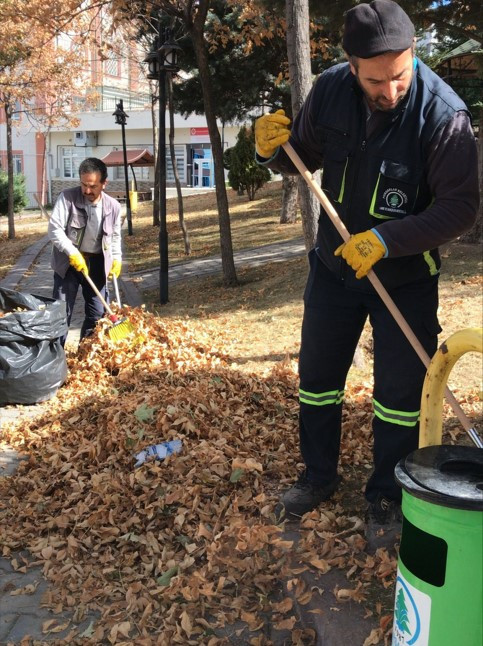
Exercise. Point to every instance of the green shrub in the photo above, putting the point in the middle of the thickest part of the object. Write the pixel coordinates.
(243, 171)
(20, 200)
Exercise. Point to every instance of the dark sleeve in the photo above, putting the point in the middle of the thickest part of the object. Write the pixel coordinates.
(302, 137)
(452, 174)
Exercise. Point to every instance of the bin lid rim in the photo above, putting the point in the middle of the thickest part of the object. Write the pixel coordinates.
(450, 475)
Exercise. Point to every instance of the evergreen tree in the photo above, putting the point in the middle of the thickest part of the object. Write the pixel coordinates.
(243, 171)
(19, 193)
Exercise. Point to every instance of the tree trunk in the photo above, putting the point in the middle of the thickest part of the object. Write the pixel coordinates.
(298, 53)
(43, 174)
(182, 223)
(196, 31)
(153, 117)
(156, 163)
(475, 234)
(288, 214)
(10, 202)
(310, 210)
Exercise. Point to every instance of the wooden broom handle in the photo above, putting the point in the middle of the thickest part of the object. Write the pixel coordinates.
(378, 286)
(98, 294)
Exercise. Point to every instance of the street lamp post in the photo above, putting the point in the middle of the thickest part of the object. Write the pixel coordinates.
(162, 59)
(121, 118)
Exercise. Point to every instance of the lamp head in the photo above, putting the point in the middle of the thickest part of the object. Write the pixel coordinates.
(152, 60)
(119, 114)
(170, 51)
(162, 57)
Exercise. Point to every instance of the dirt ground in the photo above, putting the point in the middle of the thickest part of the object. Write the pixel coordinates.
(461, 307)
(261, 318)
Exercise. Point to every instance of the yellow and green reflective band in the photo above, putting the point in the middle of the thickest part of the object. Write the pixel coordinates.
(342, 187)
(433, 270)
(399, 417)
(321, 399)
(373, 204)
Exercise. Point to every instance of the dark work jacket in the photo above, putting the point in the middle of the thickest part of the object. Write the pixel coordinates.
(376, 179)
(76, 223)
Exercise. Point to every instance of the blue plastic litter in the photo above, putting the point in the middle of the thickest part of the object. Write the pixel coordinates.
(158, 451)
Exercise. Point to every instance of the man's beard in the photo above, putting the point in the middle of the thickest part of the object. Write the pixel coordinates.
(379, 102)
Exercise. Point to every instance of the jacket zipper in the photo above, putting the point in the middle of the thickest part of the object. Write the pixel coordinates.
(360, 152)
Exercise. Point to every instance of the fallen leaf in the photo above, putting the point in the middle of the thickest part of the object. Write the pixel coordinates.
(374, 638)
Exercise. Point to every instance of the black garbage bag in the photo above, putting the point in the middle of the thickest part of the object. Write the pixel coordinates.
(32, 359)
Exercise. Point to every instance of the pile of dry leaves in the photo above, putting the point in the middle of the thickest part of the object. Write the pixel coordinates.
(174, 550)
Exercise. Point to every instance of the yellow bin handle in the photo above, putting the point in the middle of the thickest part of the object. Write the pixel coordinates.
(431, 421)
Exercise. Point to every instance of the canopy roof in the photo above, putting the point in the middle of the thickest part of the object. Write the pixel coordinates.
(135, 157)
(471, 46)
(462, 62)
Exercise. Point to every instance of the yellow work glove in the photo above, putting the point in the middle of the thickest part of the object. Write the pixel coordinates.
(115, 268)
(271, 132)
(361, 252)
(77, 261)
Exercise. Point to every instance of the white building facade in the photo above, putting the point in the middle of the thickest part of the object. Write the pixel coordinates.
(50, 161)
(96, 135)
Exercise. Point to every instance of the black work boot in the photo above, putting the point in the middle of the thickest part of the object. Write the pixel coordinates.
(383, 524)
(304, 496)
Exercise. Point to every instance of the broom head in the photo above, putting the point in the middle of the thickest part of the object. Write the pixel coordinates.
(120, 329)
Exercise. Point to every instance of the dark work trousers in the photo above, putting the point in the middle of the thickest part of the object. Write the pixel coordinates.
(334, 317)
(65, 289)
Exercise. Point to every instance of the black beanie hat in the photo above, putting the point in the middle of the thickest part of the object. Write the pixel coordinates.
(376, 28)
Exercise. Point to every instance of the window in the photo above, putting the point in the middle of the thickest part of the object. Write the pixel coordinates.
(64, 41)
(18, 164)
(124, 63)
(17, 111)
(140, 172)
(112, 65)
(71, 158)
(179, 152)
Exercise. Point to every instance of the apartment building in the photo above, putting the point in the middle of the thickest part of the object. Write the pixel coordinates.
(121, 76)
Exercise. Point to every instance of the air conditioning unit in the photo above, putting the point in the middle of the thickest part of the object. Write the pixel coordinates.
(85, 138)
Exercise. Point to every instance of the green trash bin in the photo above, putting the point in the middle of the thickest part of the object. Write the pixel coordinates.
(439, 586)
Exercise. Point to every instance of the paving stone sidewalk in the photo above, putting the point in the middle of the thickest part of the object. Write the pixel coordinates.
(149, 279)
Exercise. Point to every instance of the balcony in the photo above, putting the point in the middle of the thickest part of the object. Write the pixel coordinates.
(105, 98)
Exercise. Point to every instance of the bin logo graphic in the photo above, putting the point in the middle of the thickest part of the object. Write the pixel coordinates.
(412, 612)
(402, 615)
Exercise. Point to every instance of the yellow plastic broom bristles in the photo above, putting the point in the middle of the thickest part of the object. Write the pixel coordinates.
(120, 330)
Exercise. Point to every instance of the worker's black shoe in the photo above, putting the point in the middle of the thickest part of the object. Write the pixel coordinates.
(383, 524)
(304, 496)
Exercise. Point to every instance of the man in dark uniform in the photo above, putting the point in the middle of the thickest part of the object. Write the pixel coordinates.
(400, 167)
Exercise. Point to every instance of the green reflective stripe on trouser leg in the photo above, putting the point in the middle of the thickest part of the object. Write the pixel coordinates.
(400, 417)
(321, 399)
